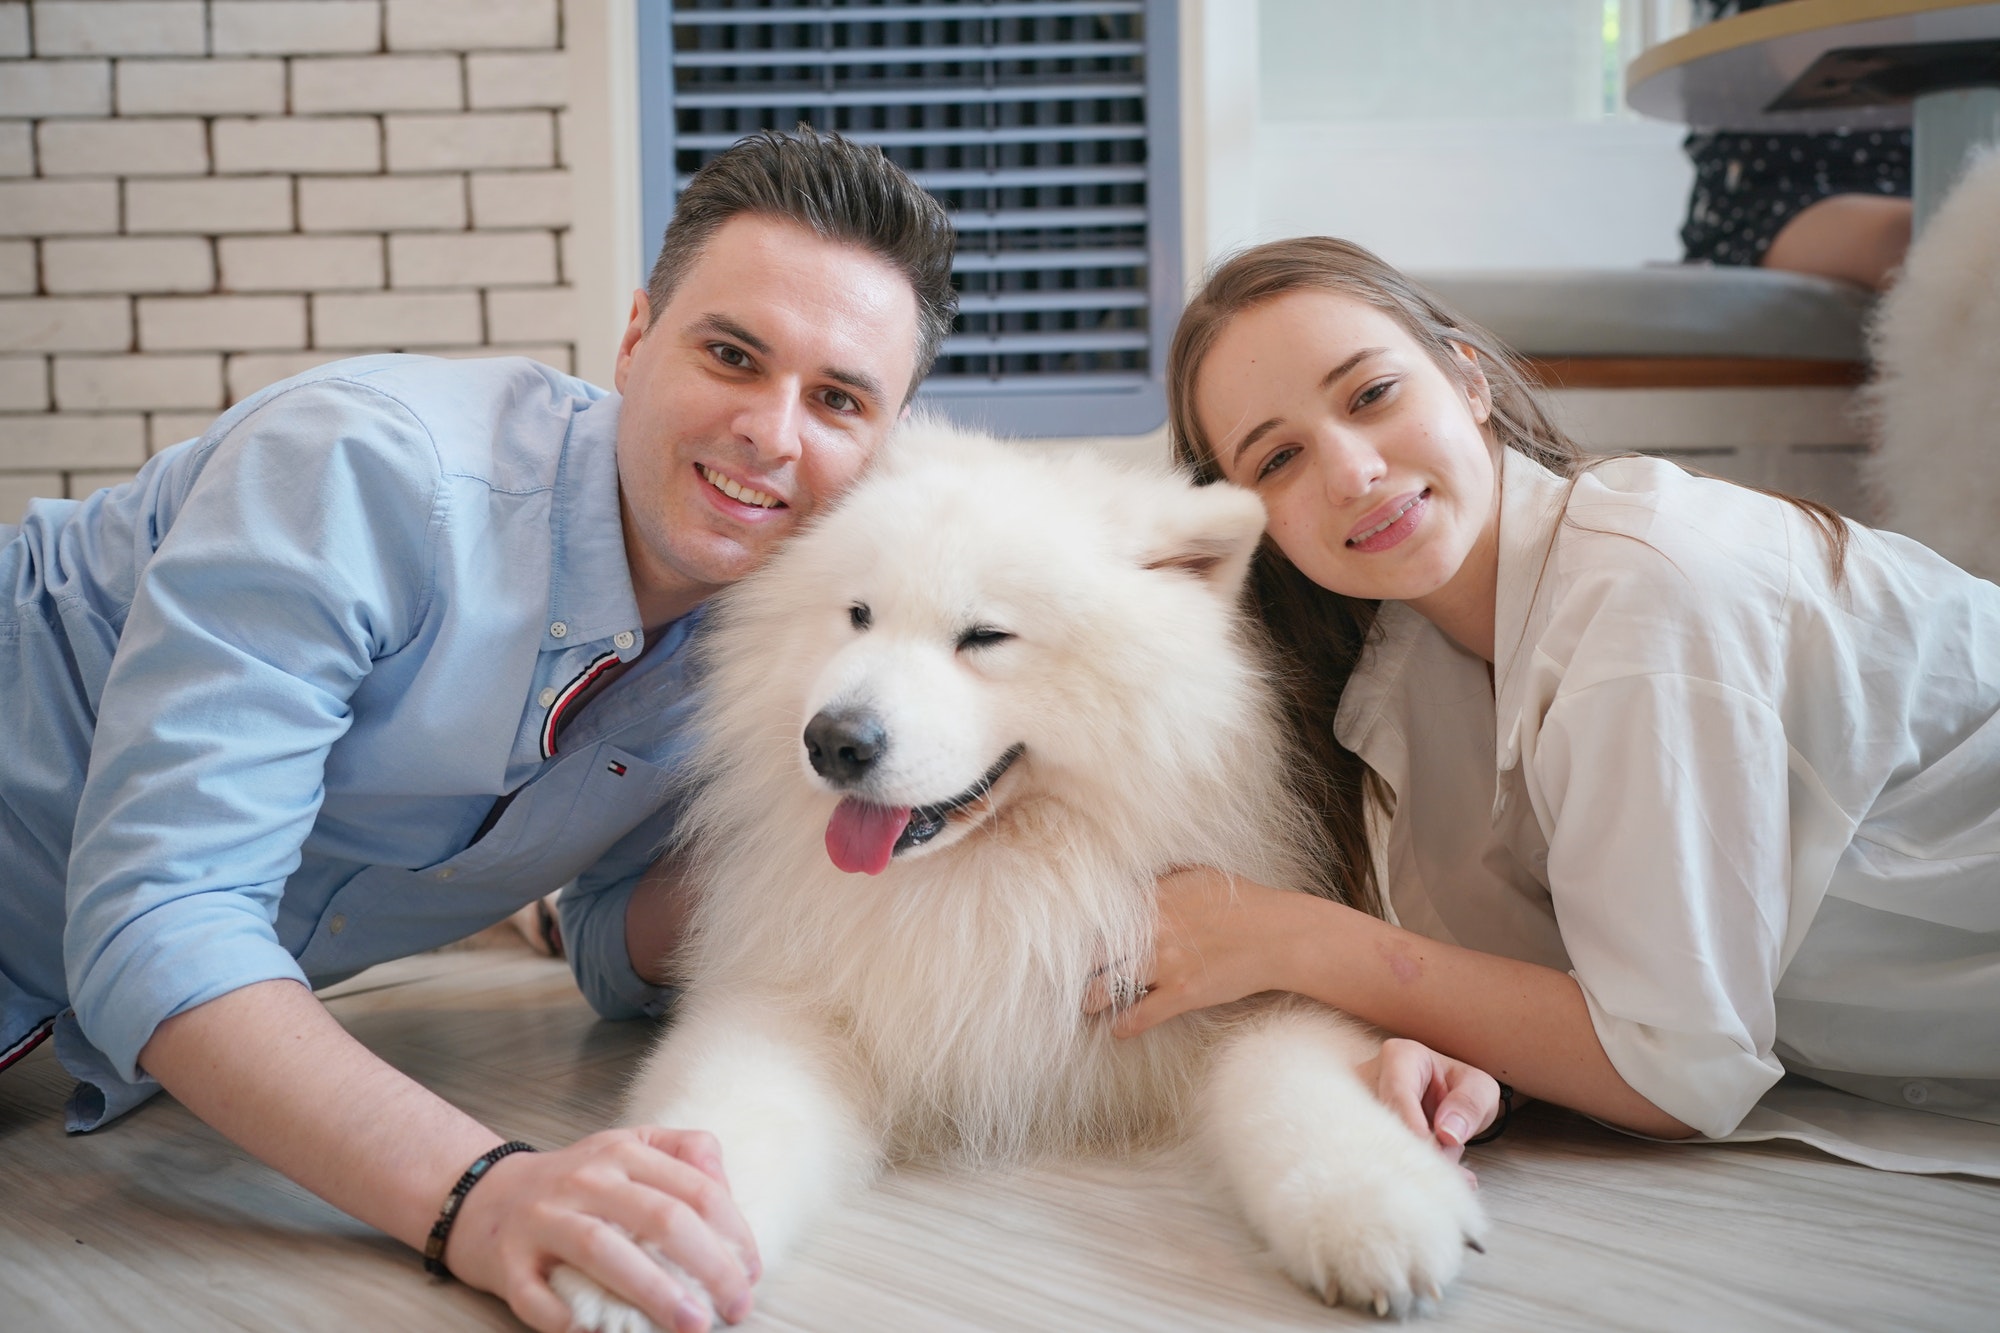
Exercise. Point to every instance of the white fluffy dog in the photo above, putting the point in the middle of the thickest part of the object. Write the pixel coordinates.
(1008, 689)
(1935, 472)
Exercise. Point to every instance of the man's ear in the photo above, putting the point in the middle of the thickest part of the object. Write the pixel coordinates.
(635, 329)
(1210, 532)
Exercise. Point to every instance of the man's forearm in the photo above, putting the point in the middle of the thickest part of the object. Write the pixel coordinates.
(656, 916)
(1525, 1024)
(271, 1069)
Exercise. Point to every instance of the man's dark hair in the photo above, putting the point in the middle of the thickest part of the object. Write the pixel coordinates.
(841, 190)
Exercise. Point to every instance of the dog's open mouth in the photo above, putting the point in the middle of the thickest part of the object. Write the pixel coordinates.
(863, 838)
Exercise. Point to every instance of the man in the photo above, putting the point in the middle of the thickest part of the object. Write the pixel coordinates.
(399, 646)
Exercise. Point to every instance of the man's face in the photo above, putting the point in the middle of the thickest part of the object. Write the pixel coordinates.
(758, 394)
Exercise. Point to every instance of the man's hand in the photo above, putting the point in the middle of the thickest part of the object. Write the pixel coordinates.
(592, 1206)
(1439, 1098)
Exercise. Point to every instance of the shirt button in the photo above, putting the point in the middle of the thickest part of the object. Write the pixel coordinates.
(1916, 1094)
(446, 873)
(547, 696)
(622, 640)
(559, 630)
(338, 924)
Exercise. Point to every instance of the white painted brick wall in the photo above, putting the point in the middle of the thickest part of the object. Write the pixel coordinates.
(17, 267)
(468, 25)
(381, 203)
(302, 144)
(293, 27)
(378, 83)
(221, 323)
(396, 320)
(122, 147)
(120, 28)
(476, 139)
(482, 259)
(198, 87)
(201, 197)
(107, 383)
(17, 148)
(129, 264)
(211, 206)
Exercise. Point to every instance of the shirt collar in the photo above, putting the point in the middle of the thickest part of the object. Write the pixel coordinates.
(1532, 500)
(590, 584)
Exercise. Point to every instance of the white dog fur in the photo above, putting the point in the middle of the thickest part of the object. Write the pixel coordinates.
(1935, 472)
(834, 1022)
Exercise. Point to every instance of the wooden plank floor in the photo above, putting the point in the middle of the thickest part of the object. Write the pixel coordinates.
(158, 1224)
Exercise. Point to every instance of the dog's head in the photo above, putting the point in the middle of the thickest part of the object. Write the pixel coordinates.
(978, 624)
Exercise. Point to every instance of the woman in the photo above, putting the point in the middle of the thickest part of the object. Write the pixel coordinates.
(1672, 785)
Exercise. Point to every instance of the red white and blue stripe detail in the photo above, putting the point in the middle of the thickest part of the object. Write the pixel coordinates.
(584, 680)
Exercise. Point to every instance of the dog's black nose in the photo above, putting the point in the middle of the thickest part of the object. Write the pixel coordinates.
(842, 746)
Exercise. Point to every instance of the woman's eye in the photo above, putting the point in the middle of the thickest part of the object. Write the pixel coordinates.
(1276, 461)
(1372, 393)
(982, 636)
(860, 616)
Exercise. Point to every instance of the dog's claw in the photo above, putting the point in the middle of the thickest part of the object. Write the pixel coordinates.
(1434, 1293)
(1472, 1244)
(1381, 1305)
(1331, 1294)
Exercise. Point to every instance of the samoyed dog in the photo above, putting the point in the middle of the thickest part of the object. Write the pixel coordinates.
(952, 732)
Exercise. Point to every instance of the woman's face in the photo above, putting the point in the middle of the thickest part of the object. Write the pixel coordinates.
(1373, 463)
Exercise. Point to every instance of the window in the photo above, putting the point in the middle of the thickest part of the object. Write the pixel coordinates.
(1049, 129)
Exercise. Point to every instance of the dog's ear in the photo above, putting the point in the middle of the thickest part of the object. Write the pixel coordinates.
(1207, 531)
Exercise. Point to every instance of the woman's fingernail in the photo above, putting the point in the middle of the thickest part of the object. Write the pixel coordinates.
(1453, 1128)
(690, 1317)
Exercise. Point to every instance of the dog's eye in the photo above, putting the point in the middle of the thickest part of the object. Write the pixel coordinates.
(860, 616)
(982, 636)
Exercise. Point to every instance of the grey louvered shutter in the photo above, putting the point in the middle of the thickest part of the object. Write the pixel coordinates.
(1049, 129)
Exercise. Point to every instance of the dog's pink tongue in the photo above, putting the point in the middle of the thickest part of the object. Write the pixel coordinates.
(861, 837)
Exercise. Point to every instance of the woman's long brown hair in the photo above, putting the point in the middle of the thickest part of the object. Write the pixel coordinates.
(1318, 635)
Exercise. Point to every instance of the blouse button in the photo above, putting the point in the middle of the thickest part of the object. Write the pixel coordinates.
(622, 640)
(338, 924)
(1916, 1094)
(547, 696)
(559, 630)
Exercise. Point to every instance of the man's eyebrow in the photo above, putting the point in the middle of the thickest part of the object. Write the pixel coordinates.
(729, 328)
(1327, 381)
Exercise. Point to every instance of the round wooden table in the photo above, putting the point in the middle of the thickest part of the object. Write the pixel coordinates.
(1827, 64)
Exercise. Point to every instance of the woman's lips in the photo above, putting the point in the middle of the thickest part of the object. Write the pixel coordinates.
(1391, 523)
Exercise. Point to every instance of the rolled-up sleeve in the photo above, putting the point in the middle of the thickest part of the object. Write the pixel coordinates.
(1670, 868)
(592, 911)
(299, 555)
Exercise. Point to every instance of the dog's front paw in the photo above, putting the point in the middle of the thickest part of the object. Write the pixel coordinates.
(595, 1310)
(1385, 1233)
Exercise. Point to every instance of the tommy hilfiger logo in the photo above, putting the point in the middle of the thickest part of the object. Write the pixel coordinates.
(616, 767)
(583, 681)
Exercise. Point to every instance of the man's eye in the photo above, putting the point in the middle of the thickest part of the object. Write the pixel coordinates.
(841, 402)
(1276, 461)
(730, 356)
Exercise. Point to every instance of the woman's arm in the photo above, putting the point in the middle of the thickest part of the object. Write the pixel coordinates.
(1222, 938)
(271, 1069)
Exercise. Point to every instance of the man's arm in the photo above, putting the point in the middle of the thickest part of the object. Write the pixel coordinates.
(269, 1068)
(656, 919)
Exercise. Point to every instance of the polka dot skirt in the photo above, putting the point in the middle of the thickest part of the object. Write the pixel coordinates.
(1748, 186)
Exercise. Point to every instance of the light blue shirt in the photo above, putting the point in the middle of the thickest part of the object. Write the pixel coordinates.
(262, 698)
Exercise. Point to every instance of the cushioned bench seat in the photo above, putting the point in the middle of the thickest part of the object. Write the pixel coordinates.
(1691, 326)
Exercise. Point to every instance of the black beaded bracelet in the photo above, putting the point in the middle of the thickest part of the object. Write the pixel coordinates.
(1499, 1125)
(441, 1229)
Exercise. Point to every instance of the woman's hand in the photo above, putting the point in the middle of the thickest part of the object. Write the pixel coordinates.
(1439, 1098)
(591, 1206)
(1220, 937)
